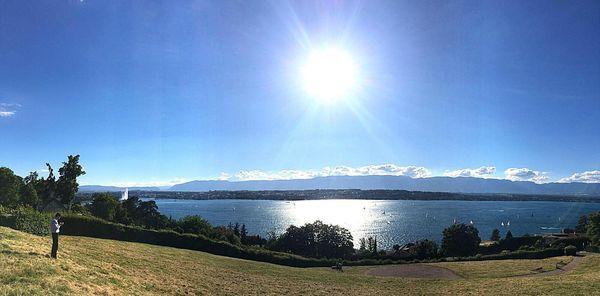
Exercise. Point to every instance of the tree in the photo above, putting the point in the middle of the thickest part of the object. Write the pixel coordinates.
(372, 244)
(582, 224)
(130, 205)
(149, 216)
(243, 234)
(460, 240)
(46, 188)
(67, 185)
(29, 196)
(509, 235)
(316, 240)
(236, 229)
(362, 244)
(593, 228)
(9, 187)
(105, 206)
(495, 235)
(194, 224)
(424, 249)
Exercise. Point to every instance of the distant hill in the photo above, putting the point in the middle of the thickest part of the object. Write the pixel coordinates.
(100, 188)
(434, 184)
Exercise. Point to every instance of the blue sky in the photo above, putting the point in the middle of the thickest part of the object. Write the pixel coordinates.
(158, 92)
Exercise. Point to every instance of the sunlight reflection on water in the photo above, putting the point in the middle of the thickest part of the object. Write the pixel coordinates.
(391, 221)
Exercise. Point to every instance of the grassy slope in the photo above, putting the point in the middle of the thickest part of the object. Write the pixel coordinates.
(97, 266)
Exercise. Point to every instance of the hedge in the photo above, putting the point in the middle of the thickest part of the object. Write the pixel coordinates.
(26, 220)
(521, 254)
(511, 244)
(579, 242)
(94, 227)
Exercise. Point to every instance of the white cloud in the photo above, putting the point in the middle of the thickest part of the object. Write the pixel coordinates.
(477, 173)
(525, 174)
(585, 177)
(370, 170)
(8, 109)
(7, 113)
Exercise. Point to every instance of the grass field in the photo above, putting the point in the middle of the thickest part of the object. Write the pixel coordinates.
(107, 267)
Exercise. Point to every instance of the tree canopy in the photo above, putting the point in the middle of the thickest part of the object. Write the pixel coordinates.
(460, 240)
(67, 185)
(316, 240)
(10, 185)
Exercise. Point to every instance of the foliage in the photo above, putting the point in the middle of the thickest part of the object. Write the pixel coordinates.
(79, 208)
(194, 224)
(424, 249)
(9, 187)
(316, 240)
(67, 185)
(509, 235)
(582, 224)
(593, 228)
(513, 244)
(105, 206)
(96, 227)
(29, 196)
(495, 235)
(46, 188)
(570, 250)
(460, 240)
(25, 219)
(579, 242)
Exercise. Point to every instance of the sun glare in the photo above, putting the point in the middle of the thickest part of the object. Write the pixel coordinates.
(329, 74)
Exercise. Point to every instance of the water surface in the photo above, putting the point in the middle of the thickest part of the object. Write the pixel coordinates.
(391, 221)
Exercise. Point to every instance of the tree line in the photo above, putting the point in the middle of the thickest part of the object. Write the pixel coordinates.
(317, 239)
(35, 191)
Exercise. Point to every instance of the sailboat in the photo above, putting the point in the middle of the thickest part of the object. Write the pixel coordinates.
(502, 224)
(125, 194)
(471, 222)
(508, 223)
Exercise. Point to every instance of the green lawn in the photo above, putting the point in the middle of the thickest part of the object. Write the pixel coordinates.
(107, 267)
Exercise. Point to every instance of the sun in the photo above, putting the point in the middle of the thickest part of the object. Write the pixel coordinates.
(329, 74)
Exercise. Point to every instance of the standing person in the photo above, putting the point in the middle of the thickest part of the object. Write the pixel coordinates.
(55, 229)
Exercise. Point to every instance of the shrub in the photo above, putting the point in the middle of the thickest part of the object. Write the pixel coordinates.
(537, 254)
(570, 250)
(26, 219)
(424, 249)
(578, 242)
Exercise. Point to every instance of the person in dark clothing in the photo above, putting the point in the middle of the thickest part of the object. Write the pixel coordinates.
(55, 229)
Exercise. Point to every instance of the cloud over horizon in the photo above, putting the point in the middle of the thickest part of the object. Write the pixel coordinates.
(480, 172)
(369, 170)
(525, 174)
(585, 177)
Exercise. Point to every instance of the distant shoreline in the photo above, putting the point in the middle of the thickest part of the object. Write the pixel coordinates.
(348, 194)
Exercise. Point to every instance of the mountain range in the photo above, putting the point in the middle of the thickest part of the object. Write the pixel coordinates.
(433, 184)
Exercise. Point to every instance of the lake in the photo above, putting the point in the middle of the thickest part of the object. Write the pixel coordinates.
(391, 221)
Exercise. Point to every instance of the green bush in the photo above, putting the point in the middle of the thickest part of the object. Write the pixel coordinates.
(570, 250)
(579, 242)
(26, 219)
(537, 254)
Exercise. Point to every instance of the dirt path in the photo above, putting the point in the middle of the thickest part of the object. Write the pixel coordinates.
(413, 271)
(569, 266)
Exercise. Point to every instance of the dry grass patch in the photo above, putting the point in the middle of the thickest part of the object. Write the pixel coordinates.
(107, 267)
